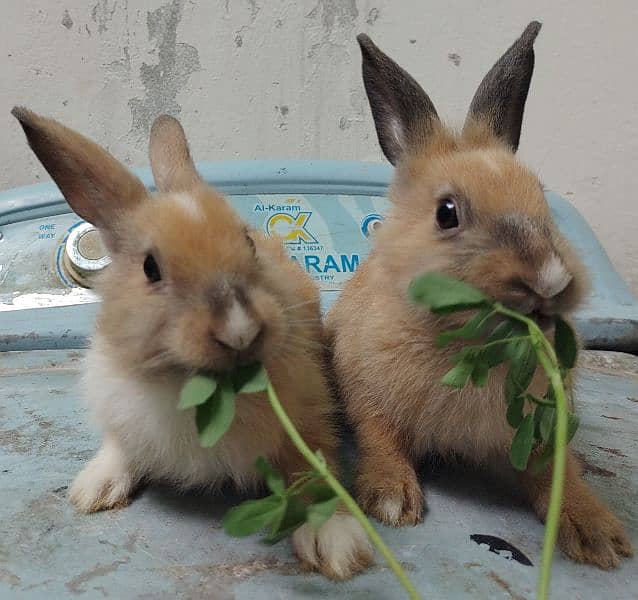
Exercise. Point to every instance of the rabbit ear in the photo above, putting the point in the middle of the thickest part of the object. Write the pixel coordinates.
(96, 186)
(500, 98)
(403, 113)
(173, 167)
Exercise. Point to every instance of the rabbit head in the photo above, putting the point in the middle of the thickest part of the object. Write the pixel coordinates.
(463, 203)
(186, 289)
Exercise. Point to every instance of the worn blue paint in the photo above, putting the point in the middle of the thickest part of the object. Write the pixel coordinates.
(166, 545)
(609, 320)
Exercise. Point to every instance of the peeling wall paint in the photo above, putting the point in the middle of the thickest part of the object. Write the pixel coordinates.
(163, 80)
(281, 79)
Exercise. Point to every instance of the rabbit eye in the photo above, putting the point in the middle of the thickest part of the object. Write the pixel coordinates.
(251, 242)
(151, 270)
(446, 216)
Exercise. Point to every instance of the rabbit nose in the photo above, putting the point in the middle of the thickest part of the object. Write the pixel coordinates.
(239, 330)
(553, 277)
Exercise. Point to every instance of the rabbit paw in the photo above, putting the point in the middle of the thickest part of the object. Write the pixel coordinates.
(104, 483)
(590, 533)
(339, 548)
(396, 502)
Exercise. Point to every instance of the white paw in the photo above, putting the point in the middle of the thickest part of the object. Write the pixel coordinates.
(340, 548)
(390, 508)
(104, 483)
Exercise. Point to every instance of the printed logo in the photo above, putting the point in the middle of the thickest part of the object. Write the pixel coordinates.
(292, 228)
(370, 224)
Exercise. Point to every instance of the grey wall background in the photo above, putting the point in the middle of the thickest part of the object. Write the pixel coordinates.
(280, 79)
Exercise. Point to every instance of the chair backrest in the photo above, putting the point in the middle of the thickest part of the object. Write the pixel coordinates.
(325, 211)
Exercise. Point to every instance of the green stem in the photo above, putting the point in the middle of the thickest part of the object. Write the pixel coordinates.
(503, 341)
(558, 479)
(549, 361)
(347, 500)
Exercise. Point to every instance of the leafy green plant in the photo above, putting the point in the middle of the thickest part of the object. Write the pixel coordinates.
(544, 425)
(312, 498)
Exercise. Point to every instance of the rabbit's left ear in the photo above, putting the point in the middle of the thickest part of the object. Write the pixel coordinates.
(500, 98)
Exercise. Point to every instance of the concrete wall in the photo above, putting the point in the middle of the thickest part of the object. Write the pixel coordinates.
(280, 79)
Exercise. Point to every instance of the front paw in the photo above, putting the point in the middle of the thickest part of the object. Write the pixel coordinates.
(339, 548)
(103, 484)
(590, 533)
(395, 501)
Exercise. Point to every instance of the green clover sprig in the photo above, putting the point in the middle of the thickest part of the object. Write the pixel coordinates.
(312, 498)
(544, 425)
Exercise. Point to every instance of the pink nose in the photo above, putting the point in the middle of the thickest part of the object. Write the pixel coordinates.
(239, 329)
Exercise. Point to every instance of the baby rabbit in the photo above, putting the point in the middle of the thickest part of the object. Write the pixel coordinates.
(191, 288)
(465, 206)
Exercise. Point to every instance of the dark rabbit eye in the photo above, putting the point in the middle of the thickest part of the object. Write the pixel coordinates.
(151, 270)
(446, 216)
(251, 242)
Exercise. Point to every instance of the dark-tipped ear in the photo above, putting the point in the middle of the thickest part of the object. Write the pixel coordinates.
(97, 187)
(171, 162)
(403, 113)
(500, 98)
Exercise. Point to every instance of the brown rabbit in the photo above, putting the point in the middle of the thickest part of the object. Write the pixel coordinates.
(191, 288)
(465, 206)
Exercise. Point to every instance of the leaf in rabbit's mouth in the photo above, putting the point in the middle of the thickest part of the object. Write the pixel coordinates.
(213, 397)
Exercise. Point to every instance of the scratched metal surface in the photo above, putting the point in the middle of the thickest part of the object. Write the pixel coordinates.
(169, 546)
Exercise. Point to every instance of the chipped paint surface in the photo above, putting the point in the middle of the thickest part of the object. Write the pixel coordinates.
(170, 545)
(108, 67)
(165, 79)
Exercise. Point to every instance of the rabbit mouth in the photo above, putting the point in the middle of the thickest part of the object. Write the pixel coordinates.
(544, 320)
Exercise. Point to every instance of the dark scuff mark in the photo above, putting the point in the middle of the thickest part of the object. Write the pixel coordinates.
(455, 58)
(75, 585)
(239, 42)
(413, 41)
(373, 15)
(102, 14)
(164, 80)
(282, 111)
(344, 123)
(589, 467)
(612, 418)
(613, 451)
(504, 585)
(501, 547)
(67, 21)
(238, 571)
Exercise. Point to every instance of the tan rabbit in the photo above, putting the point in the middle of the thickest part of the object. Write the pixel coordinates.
(465, 206)
(191, 288)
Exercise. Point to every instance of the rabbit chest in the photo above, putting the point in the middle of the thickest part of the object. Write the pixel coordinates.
(161, 442)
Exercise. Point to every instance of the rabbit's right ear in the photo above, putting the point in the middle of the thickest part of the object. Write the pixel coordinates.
(403, 113)
(97, 187)
(171, 162)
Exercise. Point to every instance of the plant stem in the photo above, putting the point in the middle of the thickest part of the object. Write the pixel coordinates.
(549, 361)
(558, 480)
(344, 496)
